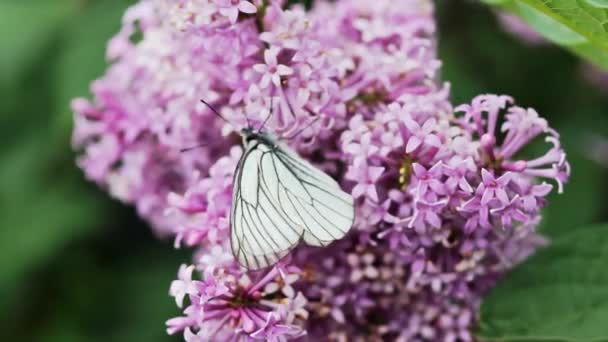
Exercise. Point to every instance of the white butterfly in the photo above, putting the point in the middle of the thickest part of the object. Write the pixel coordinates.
(278, 200)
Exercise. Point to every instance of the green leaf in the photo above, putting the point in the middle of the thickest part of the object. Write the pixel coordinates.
(44, 202)
(549, 27)
(28, 27)
(82, 58)
(456, 70)
(40, 210)
(40, 227)
(560, 294)
(126, 300)
(598, 3)
(146, 290)
(583, 17)
(579, 25)
(582, 201)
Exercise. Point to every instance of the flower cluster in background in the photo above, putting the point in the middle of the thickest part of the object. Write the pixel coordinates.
(445, 202)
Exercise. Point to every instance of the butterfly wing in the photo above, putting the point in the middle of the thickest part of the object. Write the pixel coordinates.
(260, 232)
(317, 203)
(280, 199)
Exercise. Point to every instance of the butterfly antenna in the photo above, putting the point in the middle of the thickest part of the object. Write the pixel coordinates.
(288, 104)
(192, 148)
(267, 116)
(302, 129)
(211, 299)
(215, 111)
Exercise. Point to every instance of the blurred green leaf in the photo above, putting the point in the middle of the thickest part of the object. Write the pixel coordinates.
(548, 26)
(581, 26)
(147, 291)
(36, 229)
(463, 84)
(584, 17)
(582, 201)
(125, 301)
(27, 27)
(598, 3)
(560, 294)
(41, 210)
(82, 58)
(45, 202)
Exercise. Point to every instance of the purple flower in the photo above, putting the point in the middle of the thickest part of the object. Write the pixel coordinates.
(444, 205)
(520, 127)
(494, 188)
(231, 8)
(365, 177)
(271, 70)
(420, 134)
(184, 285)
(457, 171)
(227, 303)
(428, 183)
(274, 331)
(510, 211)
(426, 214)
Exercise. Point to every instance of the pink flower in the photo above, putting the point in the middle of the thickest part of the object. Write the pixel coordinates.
(428, 182)
(365, 74)
(225, 303)
(184, 285)
(274, 331)
(365, 177)
(272, 71)
(520, 127)
(231, 8)
(494, 188)
(421, 134)
(426, 214)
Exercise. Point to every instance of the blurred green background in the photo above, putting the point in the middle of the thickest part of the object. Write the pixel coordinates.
(76, 265)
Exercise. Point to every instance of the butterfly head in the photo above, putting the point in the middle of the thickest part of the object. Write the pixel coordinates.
(247, 131)
(249, 134)
(252, 135)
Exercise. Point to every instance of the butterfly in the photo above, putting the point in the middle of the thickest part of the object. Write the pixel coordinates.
(280, 200)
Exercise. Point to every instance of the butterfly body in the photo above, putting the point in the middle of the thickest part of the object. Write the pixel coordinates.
(249, 135)
(280, 200)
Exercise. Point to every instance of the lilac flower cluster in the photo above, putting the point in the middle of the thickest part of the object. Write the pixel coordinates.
(444, 204)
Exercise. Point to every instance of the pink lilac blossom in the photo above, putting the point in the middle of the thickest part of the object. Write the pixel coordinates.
(445, 204)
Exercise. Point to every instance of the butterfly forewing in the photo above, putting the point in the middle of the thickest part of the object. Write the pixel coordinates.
(280, 199)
